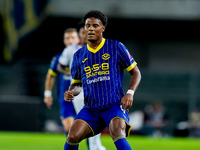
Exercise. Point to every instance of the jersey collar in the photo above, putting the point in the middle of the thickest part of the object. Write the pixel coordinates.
(98, 48)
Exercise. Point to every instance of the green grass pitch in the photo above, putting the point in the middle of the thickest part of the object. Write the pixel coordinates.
(45, 141)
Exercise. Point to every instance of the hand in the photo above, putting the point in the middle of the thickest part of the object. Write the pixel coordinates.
(127, 101)
(68, 95)
(48, 101)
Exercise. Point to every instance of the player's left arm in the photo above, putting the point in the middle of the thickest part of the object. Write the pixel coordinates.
(127, 100)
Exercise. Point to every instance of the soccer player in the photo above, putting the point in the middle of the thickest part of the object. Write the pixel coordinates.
(67, 111)
(66, 58)
(98, 68)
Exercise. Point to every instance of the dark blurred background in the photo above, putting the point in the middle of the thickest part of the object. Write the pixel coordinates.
(163, 37)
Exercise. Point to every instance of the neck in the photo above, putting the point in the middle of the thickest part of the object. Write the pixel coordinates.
(83, 43)
(95, 44)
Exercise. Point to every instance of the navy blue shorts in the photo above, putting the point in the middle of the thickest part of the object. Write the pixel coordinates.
(99, 120)
(66, 109)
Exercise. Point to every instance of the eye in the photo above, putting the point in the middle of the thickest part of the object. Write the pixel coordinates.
(87, 25)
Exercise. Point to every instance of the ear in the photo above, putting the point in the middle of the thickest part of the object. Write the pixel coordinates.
(103, 28)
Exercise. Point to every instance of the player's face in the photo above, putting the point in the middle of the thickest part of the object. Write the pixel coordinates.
(71, 38)
(83, 36)
(94, 29)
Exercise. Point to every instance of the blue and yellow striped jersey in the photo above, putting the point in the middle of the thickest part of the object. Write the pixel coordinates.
(100, 71)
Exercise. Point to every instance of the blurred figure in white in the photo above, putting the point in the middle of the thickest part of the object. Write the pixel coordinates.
(67, 112)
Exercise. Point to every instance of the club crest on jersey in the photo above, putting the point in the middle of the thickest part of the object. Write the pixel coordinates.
(105, 56)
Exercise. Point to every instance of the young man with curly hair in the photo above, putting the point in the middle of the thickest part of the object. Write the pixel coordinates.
(98, 68)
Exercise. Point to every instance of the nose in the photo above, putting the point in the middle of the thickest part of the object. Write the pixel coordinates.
(91, 28)
(70, 41)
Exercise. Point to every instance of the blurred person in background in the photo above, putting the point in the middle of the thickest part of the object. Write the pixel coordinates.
(66, 58)
(67, 112)
(194, 123)
(155, 119)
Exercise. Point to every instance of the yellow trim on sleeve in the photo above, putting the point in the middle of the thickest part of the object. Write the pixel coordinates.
(98, 48)
(51, 72)
(67, 69)
(76, 81)
(131, 66)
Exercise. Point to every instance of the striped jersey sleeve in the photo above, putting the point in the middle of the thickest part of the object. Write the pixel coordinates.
(75, 70)
(124, 57)
(53, 66)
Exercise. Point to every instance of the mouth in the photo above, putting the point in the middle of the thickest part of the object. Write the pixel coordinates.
(90, 34)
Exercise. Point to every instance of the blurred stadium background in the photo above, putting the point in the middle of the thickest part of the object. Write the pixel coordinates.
(163, 36)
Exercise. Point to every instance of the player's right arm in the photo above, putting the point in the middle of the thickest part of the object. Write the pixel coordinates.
(50, 80)
(74, 90)
(49, 83)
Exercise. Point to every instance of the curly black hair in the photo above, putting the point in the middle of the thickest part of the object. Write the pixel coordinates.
(96, 14)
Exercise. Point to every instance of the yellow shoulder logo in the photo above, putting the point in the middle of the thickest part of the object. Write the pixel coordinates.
(105, 56)
(84, 60)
